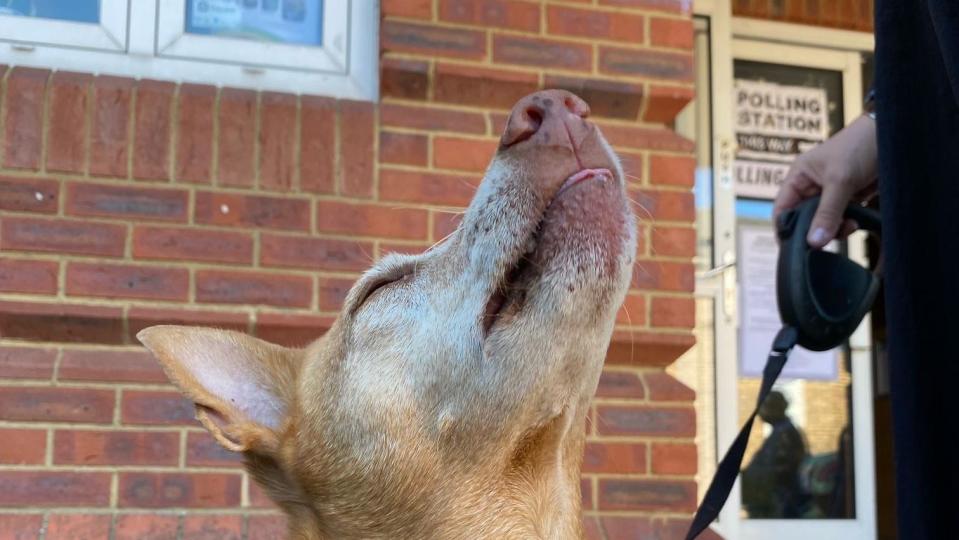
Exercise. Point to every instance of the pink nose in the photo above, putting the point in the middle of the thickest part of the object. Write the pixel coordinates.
(548, 113)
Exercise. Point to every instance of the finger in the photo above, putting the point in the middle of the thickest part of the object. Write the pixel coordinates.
(825, 224)
(792, 191)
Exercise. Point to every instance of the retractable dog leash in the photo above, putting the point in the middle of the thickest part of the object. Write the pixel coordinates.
(822, 298)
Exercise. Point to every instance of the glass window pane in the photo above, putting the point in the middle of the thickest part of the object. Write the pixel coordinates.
(84, 11)
(297, 22)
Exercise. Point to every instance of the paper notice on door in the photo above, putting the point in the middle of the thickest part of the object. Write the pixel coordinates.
(760, 320)
(774, 123)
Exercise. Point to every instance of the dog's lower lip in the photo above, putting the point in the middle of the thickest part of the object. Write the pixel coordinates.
(584, 175)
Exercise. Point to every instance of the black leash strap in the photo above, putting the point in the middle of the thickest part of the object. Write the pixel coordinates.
(728, 469)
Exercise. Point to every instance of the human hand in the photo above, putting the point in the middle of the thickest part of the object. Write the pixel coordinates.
(842, 169)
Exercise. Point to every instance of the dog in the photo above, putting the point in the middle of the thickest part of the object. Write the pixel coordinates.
(448, 398)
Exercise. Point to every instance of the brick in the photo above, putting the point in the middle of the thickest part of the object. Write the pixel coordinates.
(414, 9)
(666, 102)
(648, 495)
(646, 63)
(404, 79)
(591, 528)
(605, 97)
(277, 140)
(631, 528)
(407, 249)
(620, 384)
(23, 125)
(586, 493)
(110, 126)
(425, 187)
(110, 365)
(403, 148)
(646, 421)
(67, 110)
(47, 404)
(151, 130)
(664, 205)
(664, 387)
(178, 490)
(333, 292)
(541, 53)
(121, 448)
(230, 209)
(25, 276)
(673, 6)
(317, 144)
(445, 224)
(431, 119)
(236, 140)
(633, 310)
(433, 40)
(146, 527)
(674, 241)
(520, 16)
(593, 24)
(194, 137)
(311, 253)
(29, 195)
(663, 275)
(482, 86)
(26, 362)
(53, 489)
(291, 330)
(127, 281)
(284, 290)
(673, 312)
(30, 447)
(371, 220)
(179, 244)
(155, 407)
(60, 322)
(676, 33)
(266, 527)
(212, 527)
(202, 450)
(641, 138)
(258, 497)
(139, 318)
(21, 526)
(126, 202)
(471, 155)
(73, 526)
(670, 458)
(672, 170)
(614, 458)
(357, 155)
(62, 236)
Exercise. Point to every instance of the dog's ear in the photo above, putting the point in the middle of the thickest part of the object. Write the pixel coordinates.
(243, 387)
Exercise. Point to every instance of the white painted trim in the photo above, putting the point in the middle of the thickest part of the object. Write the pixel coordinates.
(110, 34)
(801, 34)
(352, 56)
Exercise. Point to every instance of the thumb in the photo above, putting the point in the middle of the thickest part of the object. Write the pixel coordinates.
(828, 218)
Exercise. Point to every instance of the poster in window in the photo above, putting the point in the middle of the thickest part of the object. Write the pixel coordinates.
(773, 124)
(297, 22)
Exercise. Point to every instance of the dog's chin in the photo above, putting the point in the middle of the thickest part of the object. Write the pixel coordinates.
(576, 258)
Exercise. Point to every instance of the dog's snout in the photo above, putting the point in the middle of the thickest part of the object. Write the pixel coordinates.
(547, 113)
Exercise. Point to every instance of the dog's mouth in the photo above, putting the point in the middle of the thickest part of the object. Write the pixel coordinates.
(510, 292)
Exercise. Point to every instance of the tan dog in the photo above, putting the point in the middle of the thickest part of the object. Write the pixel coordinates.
(448, 399)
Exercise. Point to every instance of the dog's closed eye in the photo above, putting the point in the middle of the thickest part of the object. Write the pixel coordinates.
(378, 287)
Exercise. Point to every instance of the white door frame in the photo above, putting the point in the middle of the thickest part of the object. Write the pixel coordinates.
(804, 46)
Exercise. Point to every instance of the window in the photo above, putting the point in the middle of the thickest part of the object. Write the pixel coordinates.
(323, 47)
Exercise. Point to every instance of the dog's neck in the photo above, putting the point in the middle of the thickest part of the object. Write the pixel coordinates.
(530, 490)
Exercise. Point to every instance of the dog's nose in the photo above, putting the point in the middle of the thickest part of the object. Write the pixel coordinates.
(549, 112)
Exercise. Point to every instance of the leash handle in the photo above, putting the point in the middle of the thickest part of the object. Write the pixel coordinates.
(728, 469)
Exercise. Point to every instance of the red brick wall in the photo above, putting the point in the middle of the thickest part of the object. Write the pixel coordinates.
(845, 14)
(126, 204)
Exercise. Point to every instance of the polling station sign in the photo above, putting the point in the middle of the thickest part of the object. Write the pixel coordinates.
(774, 123)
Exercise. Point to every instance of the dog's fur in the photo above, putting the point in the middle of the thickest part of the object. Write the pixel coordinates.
(448, 399)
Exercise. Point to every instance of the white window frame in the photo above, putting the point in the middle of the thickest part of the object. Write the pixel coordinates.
(109, 35)
(154, 45)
